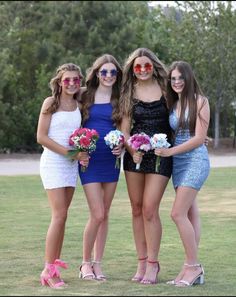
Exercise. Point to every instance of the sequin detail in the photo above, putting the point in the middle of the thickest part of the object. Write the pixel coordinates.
(190, 169)
(150, 118)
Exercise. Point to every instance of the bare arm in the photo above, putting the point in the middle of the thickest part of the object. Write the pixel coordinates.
(42, 134)
(43, 128)
(198, 139)
(125, 128)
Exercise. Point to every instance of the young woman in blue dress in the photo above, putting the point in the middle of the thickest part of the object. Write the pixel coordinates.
(189, 118)
(99, 101)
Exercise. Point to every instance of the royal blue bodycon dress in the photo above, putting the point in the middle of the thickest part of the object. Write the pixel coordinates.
(190, 169)
(102, 162)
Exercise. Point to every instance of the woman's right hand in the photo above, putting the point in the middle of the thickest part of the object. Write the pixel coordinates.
(83, 158)
(137, 157)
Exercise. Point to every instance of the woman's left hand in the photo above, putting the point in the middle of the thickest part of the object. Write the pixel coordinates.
(163, 152)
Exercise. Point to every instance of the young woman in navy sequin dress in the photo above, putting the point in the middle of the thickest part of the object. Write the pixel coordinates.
(189, 118)
(143, 108)
(99, 111)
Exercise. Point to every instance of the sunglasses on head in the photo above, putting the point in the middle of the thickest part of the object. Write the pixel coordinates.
(75, 80)
(147, 67)
(104, 72)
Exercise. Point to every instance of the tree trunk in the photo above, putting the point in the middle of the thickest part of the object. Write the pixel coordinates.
(217, 127)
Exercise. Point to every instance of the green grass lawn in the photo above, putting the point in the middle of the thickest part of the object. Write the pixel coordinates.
(25, 216)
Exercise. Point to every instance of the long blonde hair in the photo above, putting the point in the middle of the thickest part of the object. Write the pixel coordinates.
(129, 79)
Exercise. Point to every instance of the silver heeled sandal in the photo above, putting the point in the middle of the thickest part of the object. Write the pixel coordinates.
(86, 276)
(100, 277)
(197, 280)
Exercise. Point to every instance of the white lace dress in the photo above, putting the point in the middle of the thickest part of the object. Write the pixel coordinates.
(56, 170)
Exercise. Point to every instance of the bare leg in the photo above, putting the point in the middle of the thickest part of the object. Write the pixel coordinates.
(185, 197)
(59, 200)
(100, 242)
(194, 218)
(152, 224)
(135, 185)
(69, 194)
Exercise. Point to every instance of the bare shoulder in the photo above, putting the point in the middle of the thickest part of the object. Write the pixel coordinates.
(202, 98)
(81, 91)
(47, 102)
(202, 101)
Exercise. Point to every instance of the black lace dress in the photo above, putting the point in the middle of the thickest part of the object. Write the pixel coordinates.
(150, 118)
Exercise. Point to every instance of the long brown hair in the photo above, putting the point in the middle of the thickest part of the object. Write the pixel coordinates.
(56, 88)
(129, 79)
(92, 83)
(188, 97)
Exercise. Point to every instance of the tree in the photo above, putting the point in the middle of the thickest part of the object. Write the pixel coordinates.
(203, 34)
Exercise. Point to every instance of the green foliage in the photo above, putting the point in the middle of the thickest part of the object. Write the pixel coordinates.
(44, 34)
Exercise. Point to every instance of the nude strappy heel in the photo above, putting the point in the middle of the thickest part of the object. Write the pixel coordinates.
(146, 281)
(139, 278)
(100, 277)
(86, 276)
(197, 280)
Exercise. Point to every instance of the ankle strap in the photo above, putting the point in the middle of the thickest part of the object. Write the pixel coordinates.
(192, 265)
(142, 259)
(96, 262)
(60, 263)
(52, 269)
(85, 262)
(153, 262)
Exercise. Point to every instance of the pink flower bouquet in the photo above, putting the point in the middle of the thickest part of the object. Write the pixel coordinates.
(113, 139)
(84, 140)
(140, 142)
(159, 141)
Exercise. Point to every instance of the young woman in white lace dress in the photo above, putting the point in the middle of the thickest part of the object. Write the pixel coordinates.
(59, 117)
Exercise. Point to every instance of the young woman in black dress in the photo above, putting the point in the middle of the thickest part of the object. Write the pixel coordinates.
(143, 109)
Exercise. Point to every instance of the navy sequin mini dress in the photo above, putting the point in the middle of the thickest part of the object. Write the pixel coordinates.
(190, 169)
(150, 118)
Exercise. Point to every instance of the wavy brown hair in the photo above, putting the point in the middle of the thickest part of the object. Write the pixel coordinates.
(188, 97)
(56, 88)
(92, 83)
(129, 79)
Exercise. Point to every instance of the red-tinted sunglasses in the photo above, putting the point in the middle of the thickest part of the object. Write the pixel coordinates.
(147, 67)
(75, 80)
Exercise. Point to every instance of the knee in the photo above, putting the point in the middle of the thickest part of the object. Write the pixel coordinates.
(148, 213)
(60, 217)
(136, 210)
(175, 216)
(106, 215)
(98, 217)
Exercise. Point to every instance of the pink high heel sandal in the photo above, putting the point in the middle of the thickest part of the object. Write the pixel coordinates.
(139, 278)
(146, 281)
(53, 272)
